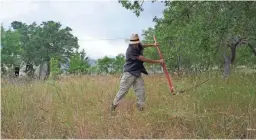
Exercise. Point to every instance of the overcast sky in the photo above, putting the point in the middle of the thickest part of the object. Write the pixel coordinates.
(90, 20)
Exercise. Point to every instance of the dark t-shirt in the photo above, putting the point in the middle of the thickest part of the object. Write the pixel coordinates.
(132, 64)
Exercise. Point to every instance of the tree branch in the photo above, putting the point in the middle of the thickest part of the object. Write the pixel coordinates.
(233, 49)
(184, 12)
(252, 48)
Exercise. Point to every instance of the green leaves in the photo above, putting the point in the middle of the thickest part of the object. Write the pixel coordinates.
(35, 44)
(135, 6)
(54, 68)
(78, 63)
(105, 64)
(118, 63)
(200, 30)
(10, 51)
(111, 65)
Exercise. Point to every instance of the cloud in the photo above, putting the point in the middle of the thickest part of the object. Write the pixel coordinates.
(12, 9)
(98, 48)
(88, 19)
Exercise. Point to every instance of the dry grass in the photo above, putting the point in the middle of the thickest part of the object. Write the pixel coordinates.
(79, 107)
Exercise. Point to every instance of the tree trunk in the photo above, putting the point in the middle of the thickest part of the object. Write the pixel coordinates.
(233, 53)
(228, 60)
(48, 70)
(3, 69)
(40, 71)
(227, 64)
(30, 70)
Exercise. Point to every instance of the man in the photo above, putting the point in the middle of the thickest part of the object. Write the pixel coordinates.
(132, 72)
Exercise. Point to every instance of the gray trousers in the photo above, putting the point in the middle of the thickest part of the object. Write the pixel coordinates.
(126, 82)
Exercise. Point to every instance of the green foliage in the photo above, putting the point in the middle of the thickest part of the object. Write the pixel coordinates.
(195, 35)
(57, 41)
(35, 44)
(111, 65)
(135, 6)
(39, 43)
(78, 64)
(94, 70)
(118, 63)
(10, 48)
(105, 64)
(54, 68)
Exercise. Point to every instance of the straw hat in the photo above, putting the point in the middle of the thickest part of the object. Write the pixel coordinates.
(134, 39)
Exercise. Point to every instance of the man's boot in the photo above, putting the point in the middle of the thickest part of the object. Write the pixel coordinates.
(113, 107)
(140, 108)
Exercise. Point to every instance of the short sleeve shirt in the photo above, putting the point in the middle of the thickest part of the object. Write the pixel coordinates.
(132, 64)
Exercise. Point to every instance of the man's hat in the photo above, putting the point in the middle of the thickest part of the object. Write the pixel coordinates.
(134, 39)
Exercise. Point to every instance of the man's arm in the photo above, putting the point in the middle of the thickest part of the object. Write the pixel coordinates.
(142, 58)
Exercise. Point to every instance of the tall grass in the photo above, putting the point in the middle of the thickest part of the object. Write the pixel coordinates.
(79, 107)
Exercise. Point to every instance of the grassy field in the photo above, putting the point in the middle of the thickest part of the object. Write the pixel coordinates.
(79, 107)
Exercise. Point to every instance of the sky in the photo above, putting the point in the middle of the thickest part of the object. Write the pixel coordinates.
(90, 20)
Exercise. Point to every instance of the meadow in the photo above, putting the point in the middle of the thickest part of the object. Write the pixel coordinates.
(79, 107)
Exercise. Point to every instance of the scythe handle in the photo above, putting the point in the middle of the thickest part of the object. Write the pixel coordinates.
(165, 69)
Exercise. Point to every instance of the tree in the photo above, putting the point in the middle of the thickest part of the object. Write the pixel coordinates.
(55, 68)
(28, 44)
(94, 70)
(106, 65)
(118, 63)
(40, 43)
(79, 63)
(135, 6)
(10, 49)
(204, 33)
